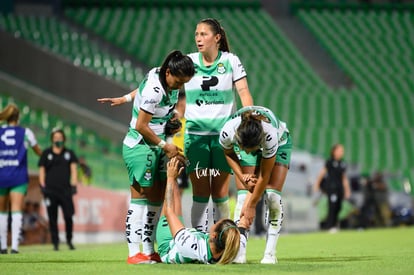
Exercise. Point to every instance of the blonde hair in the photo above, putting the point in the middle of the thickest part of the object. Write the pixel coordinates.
(228, 240)
(10, 113)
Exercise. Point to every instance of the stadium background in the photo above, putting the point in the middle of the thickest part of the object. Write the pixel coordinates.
(335, 71)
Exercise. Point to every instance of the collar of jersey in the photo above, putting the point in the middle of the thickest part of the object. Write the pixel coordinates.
(212, 66)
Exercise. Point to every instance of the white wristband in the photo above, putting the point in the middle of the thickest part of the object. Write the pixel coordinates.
(162, 144)
(128, 97)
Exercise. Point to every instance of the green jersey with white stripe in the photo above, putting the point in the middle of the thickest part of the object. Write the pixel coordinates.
(151, 98)
(210, 97)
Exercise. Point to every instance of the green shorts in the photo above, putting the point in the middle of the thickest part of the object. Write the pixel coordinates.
(164, 236)
(145, 164)
(205, 152)
(21, 188)
(283, 154)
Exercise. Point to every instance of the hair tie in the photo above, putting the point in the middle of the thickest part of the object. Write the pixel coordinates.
(224, 230)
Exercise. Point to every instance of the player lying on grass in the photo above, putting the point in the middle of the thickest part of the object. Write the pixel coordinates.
(178, 244)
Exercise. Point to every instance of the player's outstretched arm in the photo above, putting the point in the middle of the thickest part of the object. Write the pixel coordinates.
(116, 101)
(172, 200)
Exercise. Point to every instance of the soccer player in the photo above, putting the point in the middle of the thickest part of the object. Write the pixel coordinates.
(14, 177)
(180, 245)
(145, 149)
(210, 101)
(258, 148)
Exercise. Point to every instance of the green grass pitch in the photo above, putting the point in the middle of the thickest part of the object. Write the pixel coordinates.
(384, 251)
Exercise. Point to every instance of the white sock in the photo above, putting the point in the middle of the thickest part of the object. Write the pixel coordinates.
(3, 229)
(241, 197)
(16, 227)
(151, 218)
(134, 225)
(199, 214)
(274, 220)
(241, 254)
(221, 209)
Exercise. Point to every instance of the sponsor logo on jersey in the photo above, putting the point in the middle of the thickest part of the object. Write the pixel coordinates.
(200, 102)
(220, 68)
(151, 101)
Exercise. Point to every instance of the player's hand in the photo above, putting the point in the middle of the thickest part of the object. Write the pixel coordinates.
(249, 181)
(248, 213)
(115, 101)
(174, 168)
(172, 150)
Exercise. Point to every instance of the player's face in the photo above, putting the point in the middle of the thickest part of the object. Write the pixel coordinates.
(205, 39)
(175, 82)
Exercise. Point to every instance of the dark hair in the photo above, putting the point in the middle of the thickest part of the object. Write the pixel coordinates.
(179, 65)
(218, 29)
(250, 131)
(57, 130)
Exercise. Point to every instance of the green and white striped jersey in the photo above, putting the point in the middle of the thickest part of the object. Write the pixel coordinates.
(151, 98)
(210, 96)
(189, 246)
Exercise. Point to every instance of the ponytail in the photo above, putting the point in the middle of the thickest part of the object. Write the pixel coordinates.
(179, 65)
(227, 241)
(218, 29)
(10, 113)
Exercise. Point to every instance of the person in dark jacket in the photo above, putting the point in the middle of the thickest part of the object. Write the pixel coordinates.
(335, 185)
(58, 177)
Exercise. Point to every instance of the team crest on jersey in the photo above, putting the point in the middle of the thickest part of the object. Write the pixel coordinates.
(148, 175)
(220, 68)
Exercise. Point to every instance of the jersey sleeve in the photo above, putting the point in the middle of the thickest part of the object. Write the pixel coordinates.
(30, 137)
(73, 157)
(227, 135)
(151, 97)
(271, 143)
(190, 244)
(238, 68)
(43, 158)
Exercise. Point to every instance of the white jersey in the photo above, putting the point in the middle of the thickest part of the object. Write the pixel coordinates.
(151, 98)
(274, 130)
(188, 246)
(210, 96)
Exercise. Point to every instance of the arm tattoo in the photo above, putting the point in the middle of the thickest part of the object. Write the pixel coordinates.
(169, 195)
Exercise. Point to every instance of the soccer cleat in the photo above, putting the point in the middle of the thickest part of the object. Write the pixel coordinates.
(269, 259)
(3, 251)
(140, 258)
(13, 251)
(240, 259)
(155, 257)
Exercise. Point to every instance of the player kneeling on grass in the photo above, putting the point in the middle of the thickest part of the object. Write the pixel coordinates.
(178, 244)
(258, 147)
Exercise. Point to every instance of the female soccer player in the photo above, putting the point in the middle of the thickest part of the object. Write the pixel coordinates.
(145, 148)
(14, 177)
(261, 165)
(180, 245)
(209, 103)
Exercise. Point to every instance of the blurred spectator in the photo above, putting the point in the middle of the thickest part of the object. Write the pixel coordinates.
(35, 227)
(85, 171)
(335, 185)
(376, 208)
(58, 178)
